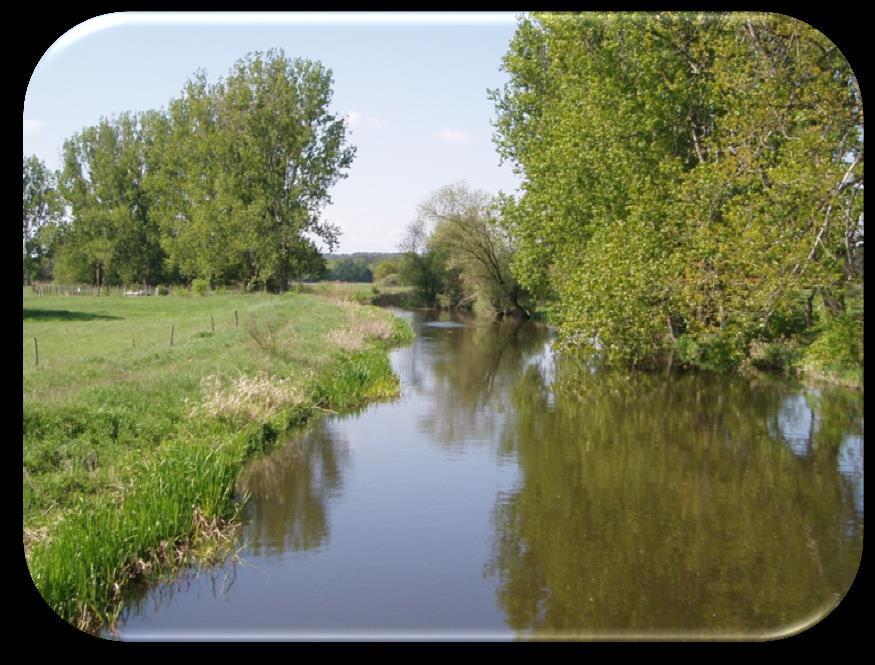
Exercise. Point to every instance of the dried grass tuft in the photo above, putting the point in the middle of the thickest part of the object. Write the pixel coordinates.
(355, 336)
(347, 339)
(253, 398)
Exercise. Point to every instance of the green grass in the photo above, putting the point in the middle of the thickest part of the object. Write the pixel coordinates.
(130, 446)
(364, 293)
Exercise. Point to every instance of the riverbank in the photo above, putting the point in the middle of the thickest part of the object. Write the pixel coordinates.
(140, 412)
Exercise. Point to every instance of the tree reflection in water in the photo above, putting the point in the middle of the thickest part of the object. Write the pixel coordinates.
(684, 504)
(469, 378)
(290, 490)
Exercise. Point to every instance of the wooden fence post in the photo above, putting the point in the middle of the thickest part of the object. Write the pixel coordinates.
(36, 351)
(236, 320)
(212, 324)
(172, 328)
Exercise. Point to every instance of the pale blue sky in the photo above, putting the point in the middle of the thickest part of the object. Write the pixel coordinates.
(414, 87)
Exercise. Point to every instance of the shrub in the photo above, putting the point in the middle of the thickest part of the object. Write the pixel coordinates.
(709, 351)
(162, 290)
(200, 286)
(838, 346)
(778, 355)
(362, 296)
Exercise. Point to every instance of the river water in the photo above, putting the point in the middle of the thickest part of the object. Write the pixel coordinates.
(512, 493)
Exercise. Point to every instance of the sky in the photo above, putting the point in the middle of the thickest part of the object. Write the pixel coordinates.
(413, 87)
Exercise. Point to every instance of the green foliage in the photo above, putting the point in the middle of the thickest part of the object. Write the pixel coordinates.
(200, 287)
(838, 346)
(350, 270)
(227, 184)
(457, 251)
(102, 181)
(427, 274)
(685, 176)
(711, 352)
(384, 269)
(466, 226)
(41, 218)
(391, 280)
(780, 355)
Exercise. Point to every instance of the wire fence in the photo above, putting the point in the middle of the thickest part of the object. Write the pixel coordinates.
(52, 289)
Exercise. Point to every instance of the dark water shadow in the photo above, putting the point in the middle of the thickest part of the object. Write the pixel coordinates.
(64, 315)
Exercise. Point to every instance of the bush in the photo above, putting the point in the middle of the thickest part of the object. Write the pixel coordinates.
(838, 346)
(162, 290)
(200, 286)
(709, 351)
(384, 269)
(777, 355)
(363, 296)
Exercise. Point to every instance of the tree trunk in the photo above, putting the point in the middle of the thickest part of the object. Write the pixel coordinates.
(809, 309)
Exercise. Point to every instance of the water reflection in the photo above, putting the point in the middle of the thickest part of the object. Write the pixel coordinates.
(597, 504)
(290, 491)
(470, 375)
(693, 505)
(850, 462)
(216, 582)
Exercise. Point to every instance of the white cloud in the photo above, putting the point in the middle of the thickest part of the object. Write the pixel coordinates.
(454, 136)
(357, 119)
(32, 127)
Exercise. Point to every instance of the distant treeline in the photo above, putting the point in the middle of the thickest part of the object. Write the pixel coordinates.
(361, 266)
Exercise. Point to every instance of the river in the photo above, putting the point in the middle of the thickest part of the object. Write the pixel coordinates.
(513, 493)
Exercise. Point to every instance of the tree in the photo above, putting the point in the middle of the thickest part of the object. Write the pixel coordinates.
(227, 184)
(690, 180)
(351, 270)
(385, 268)
(287, 150)
(242, 169)
(466, 224)
(41, 216)
(102, 181)
(187, 173)
(426, 268)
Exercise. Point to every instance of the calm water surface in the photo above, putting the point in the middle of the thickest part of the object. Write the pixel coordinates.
(513, 493)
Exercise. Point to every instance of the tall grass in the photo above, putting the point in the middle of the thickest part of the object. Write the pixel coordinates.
(130, 470)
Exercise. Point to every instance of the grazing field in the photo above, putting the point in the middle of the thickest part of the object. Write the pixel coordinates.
(132, 446)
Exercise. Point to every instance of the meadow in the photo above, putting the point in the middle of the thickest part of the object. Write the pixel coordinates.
(132, 445)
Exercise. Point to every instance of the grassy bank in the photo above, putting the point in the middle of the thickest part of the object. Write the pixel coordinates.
(132, 446)
(364, 293)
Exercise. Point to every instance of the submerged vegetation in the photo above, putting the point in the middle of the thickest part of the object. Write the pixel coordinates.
(130, 457)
